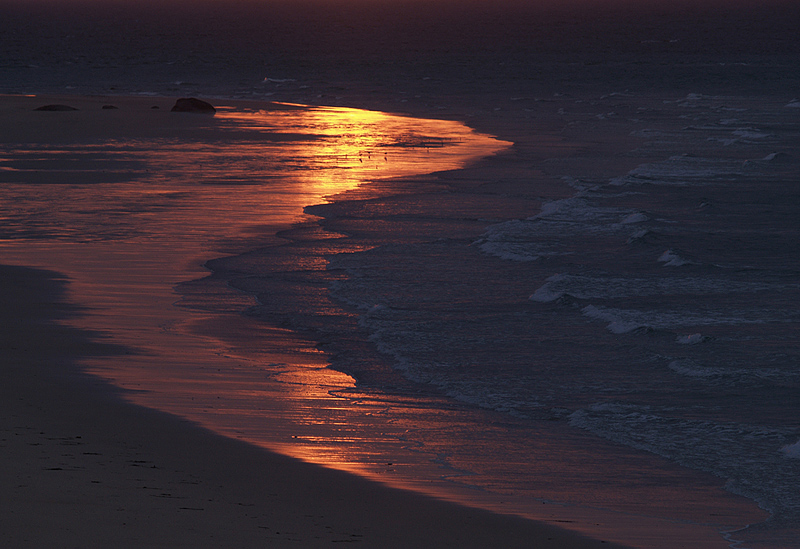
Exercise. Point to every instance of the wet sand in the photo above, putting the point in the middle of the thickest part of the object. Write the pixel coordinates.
(86, 467)
(78, 448)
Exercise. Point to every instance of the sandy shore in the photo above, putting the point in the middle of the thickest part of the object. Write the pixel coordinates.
(85, 468)
(91, 469)
(82, 468)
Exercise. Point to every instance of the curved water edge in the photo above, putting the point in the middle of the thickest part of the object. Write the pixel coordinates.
(416, 299)
(709, 329)
(405, 263)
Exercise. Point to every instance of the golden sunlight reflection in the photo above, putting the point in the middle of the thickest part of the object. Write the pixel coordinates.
(241, 171)
(128, 210)
(126, 218)
(344, 147)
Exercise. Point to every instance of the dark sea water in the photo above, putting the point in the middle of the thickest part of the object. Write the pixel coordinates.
(656, 307)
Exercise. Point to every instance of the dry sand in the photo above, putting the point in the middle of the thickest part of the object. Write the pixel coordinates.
(84, 468)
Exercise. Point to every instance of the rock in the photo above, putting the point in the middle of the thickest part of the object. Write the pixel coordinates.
(109, 107)
(55, 108)
(191, 104)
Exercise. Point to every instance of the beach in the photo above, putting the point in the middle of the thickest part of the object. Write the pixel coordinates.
(112, 444)
(85, 467)
(410, 285)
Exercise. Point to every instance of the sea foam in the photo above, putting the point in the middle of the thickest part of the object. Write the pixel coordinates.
(604, 286)
(671, 259)
(549, 233)
(792, 450)
(622, 321)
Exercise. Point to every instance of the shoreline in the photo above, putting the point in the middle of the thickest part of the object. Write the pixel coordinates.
(389, 527)
(89, 467)
(85, 467)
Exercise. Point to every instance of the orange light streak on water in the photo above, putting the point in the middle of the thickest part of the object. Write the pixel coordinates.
(129, 212)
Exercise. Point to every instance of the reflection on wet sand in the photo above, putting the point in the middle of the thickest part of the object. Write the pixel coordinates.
(129, 218)
(128, 214)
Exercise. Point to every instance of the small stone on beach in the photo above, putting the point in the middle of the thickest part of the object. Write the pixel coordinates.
(192, 104)
(55, 108)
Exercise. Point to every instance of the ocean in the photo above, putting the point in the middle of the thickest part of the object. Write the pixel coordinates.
(568, 321)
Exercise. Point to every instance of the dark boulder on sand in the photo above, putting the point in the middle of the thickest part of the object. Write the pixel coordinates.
(55, 108)
(191, 104)
(110, 107)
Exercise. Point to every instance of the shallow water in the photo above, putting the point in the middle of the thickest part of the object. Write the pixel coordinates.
(482, 351)
(654, 308)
